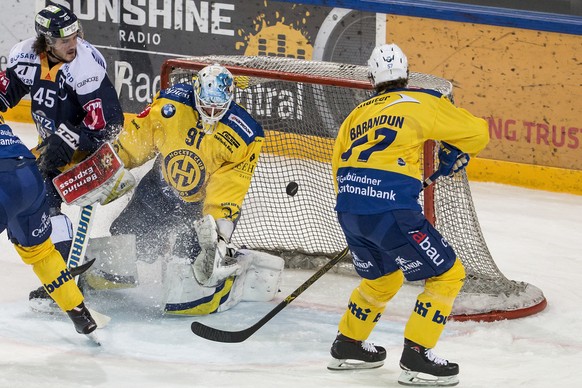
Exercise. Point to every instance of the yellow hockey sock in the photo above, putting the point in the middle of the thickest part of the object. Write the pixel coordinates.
(367, 303)
(49, 266)
(433, 306)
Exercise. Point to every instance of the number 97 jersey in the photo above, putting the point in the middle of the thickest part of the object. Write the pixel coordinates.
(377, 154)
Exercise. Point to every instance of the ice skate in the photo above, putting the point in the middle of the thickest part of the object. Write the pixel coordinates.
(40, 301)
(421, 367)
(84, 322)
(349, 354)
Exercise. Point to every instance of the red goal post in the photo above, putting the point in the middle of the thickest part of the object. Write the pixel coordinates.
(300, 104)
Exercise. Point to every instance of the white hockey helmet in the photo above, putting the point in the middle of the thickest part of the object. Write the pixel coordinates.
(387, 63)
(213, 92)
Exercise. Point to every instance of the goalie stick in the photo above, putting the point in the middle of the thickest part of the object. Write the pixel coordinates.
(77, 254)
(218, 335)
(81, 237)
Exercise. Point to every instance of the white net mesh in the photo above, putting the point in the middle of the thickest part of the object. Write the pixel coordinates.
(301, 105)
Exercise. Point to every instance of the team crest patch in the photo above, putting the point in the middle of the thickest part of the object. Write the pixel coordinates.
(185, 172)
(168, 110)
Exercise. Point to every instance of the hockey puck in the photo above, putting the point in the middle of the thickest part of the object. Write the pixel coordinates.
(292, 188)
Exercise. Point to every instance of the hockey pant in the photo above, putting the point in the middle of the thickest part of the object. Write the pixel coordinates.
(427, 321)
(49, 266)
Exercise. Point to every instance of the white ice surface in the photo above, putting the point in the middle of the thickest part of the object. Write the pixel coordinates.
(534, 236)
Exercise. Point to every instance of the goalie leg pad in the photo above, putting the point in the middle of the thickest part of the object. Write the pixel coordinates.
(185, 296)
(263, 276)
(115, 266)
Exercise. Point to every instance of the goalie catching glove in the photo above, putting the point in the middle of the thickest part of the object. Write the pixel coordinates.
(99, 178)
(216, 261)
(451, 160)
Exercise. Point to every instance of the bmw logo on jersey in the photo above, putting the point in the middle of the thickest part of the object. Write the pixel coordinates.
(185, 172)
(168, 110)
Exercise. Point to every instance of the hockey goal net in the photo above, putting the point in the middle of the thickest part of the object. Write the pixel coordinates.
(301, 105)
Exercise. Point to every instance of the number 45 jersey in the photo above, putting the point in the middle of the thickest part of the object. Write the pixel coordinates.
(78, 92)
(377, 154)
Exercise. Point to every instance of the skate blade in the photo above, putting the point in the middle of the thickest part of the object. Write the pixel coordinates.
(93, 337)
(417, 379)
(336, 364)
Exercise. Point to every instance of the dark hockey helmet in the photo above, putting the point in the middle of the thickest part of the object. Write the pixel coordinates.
(56, 21)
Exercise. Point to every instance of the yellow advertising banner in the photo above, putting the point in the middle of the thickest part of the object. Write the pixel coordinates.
(527, 84)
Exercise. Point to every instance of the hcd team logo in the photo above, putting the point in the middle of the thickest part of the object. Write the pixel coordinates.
(185, 171)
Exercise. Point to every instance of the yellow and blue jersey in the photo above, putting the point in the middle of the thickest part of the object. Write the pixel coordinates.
(214, 168)
(376, 158)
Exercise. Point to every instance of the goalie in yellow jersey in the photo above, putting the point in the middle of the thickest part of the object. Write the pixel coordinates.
(376, 168)
(184, 210)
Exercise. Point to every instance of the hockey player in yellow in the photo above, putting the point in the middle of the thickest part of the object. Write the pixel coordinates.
(376, 166)
(206, 148)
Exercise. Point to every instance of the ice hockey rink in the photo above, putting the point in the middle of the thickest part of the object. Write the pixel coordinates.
(534, 236)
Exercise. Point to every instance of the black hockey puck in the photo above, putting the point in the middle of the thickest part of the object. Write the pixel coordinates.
(292, 188)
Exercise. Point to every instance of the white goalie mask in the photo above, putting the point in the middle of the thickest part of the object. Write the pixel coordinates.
(387, 63)
(213, 93)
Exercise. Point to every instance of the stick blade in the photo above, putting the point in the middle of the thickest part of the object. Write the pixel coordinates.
(217, 335)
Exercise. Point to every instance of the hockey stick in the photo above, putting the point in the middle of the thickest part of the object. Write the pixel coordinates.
(218, 335)
(81, 237)
(430, 180)
(77, 253)
(213, 334)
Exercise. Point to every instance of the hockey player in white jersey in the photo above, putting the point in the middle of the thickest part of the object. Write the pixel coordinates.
(73, 102)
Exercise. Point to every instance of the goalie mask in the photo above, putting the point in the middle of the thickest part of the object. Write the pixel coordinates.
(56, 22)
(213, 93)
(387, 63)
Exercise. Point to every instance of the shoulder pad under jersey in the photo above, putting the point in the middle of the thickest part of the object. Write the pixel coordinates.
(181, 93)
(22, 52)
(432, 92)
(242, 123)
(87, 71)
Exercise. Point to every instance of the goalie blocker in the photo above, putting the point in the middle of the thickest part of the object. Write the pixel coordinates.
(99, 178)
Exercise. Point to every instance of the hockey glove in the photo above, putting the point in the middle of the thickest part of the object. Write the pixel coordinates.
(451, 159)
(57, 150)
(216, 261)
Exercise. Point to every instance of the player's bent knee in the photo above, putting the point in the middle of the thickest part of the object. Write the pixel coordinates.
(34, 254)
(382, 289)
(449, 283)
(263, 276)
